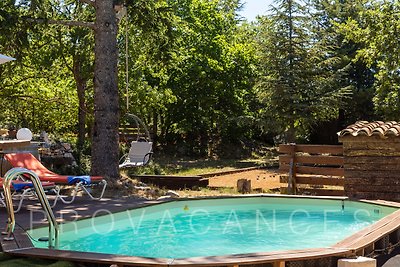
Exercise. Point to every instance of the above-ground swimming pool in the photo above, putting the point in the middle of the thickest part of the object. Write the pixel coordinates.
(211, 227)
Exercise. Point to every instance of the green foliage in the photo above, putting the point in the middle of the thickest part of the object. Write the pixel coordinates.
(190, 70)
(297, 71)
(375, 30)
(199, 77)
(39, 92)
(355, 75)
(213, 77)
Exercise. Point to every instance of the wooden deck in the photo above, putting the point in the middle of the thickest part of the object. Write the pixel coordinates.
(275, 257)
(371, 235)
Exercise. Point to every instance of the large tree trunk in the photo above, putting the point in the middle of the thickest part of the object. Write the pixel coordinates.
(105, 152)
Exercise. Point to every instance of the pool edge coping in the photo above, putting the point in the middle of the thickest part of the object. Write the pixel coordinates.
(228, 260)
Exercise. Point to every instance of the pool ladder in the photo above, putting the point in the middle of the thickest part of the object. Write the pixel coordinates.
(53, 225)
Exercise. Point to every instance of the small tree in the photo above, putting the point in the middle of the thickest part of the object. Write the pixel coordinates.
(353, 74)
(295, 82)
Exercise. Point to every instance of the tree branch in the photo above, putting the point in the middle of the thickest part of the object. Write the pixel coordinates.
(72, 23)
(13, 84)
(69, 23)
(89, 2)
(34, 97)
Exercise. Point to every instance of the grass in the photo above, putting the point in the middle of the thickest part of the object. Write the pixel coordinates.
(164, 165)
(200, 166)
(167, 165)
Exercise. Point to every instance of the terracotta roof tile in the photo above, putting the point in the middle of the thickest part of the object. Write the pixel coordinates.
(365, 128)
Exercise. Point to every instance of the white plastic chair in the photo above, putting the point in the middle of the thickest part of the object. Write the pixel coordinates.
(139, 154)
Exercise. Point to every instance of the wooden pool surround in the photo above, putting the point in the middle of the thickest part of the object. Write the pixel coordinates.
(380, 236)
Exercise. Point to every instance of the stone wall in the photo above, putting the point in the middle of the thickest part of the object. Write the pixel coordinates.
(372, 166)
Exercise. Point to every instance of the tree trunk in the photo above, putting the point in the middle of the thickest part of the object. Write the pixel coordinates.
(105, 151)
(155, 127)
(291, 133)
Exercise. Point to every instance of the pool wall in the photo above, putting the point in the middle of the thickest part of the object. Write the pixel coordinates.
(381, 236)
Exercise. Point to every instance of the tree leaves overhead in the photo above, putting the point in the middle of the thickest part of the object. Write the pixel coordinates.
(198, 74)
(376, 30)
(192, 70)
(154, 20)
(213, 76)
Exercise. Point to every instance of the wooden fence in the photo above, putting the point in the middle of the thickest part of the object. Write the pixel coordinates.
(312, 169)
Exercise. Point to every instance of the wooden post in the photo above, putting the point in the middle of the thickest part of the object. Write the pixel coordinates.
(244, 186)
(292, 187)
(279, 264)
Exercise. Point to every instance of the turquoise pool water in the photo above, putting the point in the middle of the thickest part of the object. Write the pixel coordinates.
(212, 227)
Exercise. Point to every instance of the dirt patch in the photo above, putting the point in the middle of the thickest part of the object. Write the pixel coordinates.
(264, 179)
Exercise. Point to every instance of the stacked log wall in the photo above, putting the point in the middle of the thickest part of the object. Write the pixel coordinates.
(372, 167)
